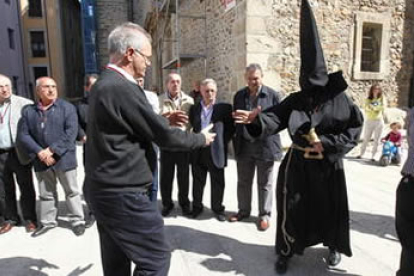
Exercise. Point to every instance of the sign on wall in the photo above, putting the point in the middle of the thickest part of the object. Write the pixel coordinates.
(228, 4)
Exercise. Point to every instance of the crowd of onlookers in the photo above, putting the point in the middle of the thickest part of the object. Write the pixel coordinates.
(42, 135)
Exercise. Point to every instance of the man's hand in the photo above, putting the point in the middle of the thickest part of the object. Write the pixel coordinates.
(50, 161)
(317, 147)
(176, 118)
(44, 154)
(246, 117)
(83, 139)
(208, 135)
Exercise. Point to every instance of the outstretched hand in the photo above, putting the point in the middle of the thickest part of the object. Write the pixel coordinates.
(208, 135)
(246, 117)
(176, 118)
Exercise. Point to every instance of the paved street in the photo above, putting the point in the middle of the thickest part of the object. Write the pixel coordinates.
(207, 247)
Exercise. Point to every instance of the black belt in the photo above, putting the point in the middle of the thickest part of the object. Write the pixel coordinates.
(5, 150)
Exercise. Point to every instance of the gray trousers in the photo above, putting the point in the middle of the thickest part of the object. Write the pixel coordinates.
(246, 168)
(49, 198)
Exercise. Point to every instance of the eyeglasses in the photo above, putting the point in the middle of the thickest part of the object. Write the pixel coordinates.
(146, 58)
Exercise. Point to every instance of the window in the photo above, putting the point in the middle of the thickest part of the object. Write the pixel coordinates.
(37, 44)
(371, 47)
(39, 71)
(12, 44)
(35, 8)
(371, 56)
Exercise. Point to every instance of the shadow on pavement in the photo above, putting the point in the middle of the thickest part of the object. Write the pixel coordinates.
(378, 225)
(79, 271)
(227, 254)
(23, 266)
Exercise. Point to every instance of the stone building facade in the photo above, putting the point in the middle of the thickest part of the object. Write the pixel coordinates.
(371, 41)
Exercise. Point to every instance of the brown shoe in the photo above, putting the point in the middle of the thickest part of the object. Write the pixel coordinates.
(30, 227)
(7, 226)
(263, 224)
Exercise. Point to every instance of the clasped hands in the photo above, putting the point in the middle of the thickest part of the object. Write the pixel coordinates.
(46, 156)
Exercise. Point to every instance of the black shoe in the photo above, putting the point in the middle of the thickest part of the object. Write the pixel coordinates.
(79, 229)
(220, 217)
(334, 257)
(196, 212)
(166, 210)
(281, 264)
(186, 211)
(42, 230)
(238, 217)
(91, 221)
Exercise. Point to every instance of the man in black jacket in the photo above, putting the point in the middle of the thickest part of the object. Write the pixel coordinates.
(255, 154)
(212, 159)
(82, 109)
(120, 159)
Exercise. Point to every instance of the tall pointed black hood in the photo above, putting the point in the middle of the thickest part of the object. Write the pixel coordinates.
(313, 70)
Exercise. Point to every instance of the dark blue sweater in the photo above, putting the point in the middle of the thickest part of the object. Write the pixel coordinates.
(55, 128)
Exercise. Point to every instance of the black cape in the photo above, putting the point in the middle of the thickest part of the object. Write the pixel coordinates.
(315, 207)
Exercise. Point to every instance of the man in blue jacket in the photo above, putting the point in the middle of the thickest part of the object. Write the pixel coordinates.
(47, 132)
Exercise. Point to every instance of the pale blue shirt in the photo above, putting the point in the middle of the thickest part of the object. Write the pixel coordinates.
(206, 113)
(5, 131)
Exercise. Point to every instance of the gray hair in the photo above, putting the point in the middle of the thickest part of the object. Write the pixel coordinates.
(125, 36)
(254, 67)
(170, 77)
(39, 80)
(209, 81)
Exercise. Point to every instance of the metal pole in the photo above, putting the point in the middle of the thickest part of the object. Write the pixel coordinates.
(178, 34)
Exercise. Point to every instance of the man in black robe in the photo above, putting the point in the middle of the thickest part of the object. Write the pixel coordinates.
(324, 124)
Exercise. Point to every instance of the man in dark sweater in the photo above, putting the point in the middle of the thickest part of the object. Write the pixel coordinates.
(120, 159)
(47, 132)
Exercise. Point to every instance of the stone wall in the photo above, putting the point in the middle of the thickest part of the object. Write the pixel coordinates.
(273, 40)
(221, 37)
(109, 13)
(266, 31)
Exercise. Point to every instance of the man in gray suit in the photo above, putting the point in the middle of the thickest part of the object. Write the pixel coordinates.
(14, 162)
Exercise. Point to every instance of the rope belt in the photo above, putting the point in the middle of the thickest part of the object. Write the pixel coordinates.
(309, 153)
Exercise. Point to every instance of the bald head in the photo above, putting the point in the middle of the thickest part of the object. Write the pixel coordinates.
(5, 88)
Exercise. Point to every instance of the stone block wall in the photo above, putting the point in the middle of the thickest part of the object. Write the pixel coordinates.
(277, 48)
(109, 13)
(221, 37)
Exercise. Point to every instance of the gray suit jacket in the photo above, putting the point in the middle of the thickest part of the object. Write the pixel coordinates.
(16, 107)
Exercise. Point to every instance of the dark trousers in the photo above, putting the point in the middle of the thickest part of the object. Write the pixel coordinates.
(200, 167)
(154, 186)
(130, 230)
(404, 222)
(168, 162)
(9, 165)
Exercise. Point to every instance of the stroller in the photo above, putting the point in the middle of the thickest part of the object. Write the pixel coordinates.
(389, 154)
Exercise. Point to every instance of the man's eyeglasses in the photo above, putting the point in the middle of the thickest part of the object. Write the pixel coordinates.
(146, 58)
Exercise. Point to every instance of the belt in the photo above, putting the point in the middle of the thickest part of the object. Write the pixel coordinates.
(309, 154)
(5, 150)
